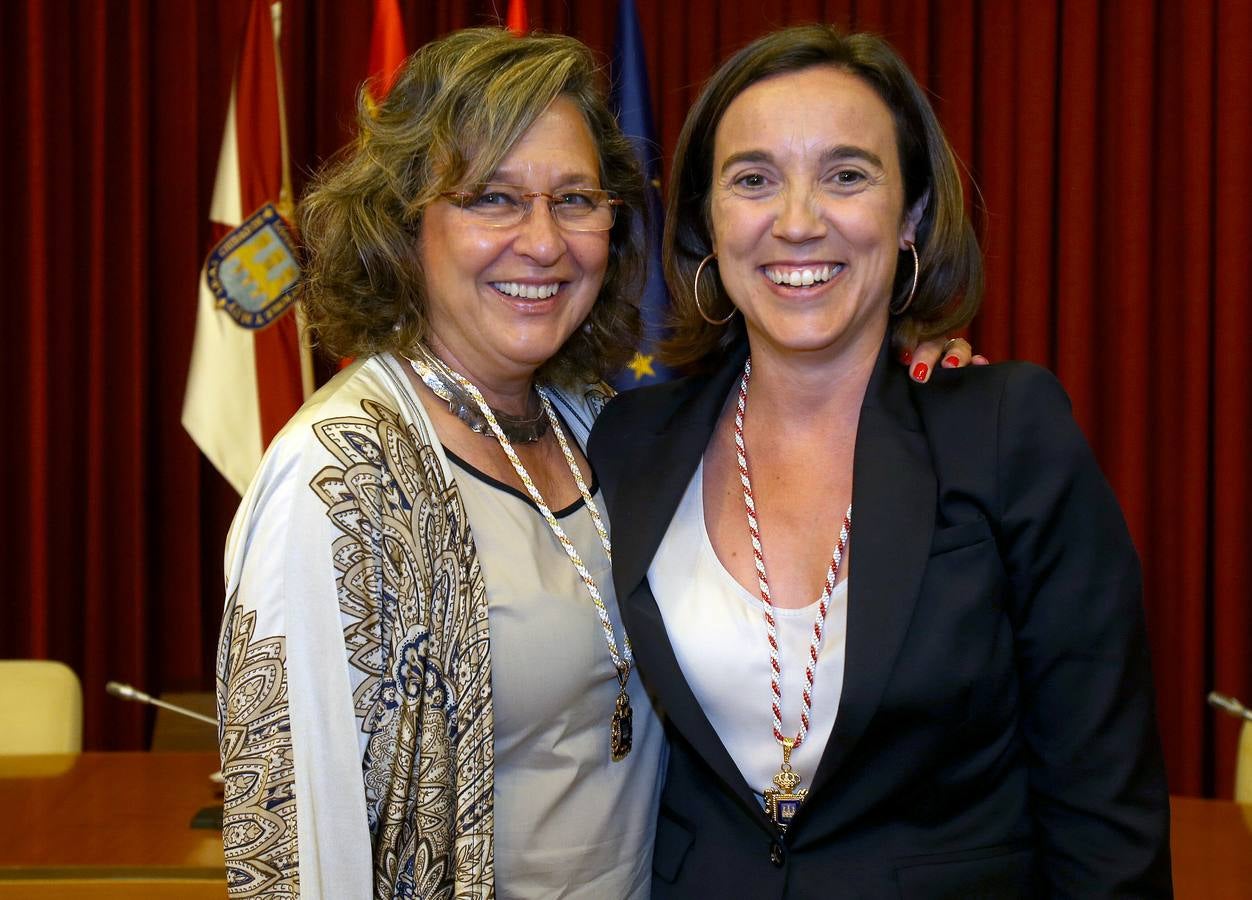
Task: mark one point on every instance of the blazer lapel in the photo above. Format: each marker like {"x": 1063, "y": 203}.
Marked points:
{"x": 643, "y": 503}
{"x": 893, "y": 500}
{"x": 641, "y": 513}
{"x": 674, "y": 699}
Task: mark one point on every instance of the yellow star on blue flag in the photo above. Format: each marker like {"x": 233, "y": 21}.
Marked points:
{"x": 641, "y": 365}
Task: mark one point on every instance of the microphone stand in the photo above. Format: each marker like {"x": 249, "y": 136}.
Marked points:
{"x": 1243, "y": 752}
{"x": 126, "y": 692}
{"x": 1231, "y": 705}
{"x": 210, "y": 816}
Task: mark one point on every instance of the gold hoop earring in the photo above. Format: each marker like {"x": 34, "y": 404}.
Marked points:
{"x": 695, "y": 293}
{"x": 917, "y": 269}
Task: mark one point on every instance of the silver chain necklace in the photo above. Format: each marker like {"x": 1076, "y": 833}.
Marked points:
{"x": 446, "y": 385}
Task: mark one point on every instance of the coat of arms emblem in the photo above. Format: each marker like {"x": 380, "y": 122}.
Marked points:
{"x": 253, "y": 270}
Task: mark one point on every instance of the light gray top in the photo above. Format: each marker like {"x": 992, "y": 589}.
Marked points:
{"x": 570, "y": 823}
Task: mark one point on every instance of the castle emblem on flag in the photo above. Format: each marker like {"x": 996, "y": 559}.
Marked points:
{"x": 253, "y": 270}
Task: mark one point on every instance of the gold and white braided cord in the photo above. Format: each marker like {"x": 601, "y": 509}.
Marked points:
{"x": 624, "y": 660}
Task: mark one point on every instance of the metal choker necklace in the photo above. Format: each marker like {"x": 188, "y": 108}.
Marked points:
{"x": 439, "y": 377}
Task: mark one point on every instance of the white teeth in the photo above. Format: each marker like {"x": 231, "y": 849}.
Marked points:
{"x": 527, "y": 291}
{"x": 802, "y": 277}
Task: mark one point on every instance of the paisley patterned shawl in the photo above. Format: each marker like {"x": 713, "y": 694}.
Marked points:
{"x": 378, "y": 570}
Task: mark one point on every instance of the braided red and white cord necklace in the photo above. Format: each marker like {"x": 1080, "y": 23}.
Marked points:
{"x": 783, "y": 801}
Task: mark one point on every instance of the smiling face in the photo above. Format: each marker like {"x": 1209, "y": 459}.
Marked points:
{"x": 502, "y": 301}
{"x": 807, "y": 211}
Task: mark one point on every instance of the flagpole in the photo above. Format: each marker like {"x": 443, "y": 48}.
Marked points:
{"x": 286, "y": 202}
{"x": 286, "y": 198}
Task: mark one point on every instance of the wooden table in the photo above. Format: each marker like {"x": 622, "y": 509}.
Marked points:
{"x": 117, "y": 825}
{"x": 107, "y": 825}
{"x": 1211, "y": 845}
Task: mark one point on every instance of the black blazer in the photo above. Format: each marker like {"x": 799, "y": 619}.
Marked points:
{"x": 996, "y": 735}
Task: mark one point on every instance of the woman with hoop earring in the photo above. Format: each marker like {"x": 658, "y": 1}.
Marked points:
{"x": 895, "y": 634}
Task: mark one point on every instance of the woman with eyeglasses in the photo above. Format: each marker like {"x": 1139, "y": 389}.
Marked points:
{"x": 424, "y": 683}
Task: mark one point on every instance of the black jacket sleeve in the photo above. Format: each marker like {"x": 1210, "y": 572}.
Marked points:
{"x": 1097, "y": 784}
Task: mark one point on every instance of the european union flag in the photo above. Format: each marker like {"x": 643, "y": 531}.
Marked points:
{"x": 633, "y": 105}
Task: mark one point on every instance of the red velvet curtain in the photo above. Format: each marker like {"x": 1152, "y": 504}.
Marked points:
{"x": 1110, "y": 144}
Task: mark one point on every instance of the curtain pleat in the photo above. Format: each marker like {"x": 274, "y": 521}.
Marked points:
{"x": 1076, "y": 206}
{"x": 101, "y": 273}
{"x": 1230, "y": 408}
{"x": 1178, "y": 450}
{"x": 1106, "y": 147}
{"x": 995, "y": 79}
{"x": 30, "y": 545}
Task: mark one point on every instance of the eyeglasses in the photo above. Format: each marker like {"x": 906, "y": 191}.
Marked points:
{"x": 506, "y": 205}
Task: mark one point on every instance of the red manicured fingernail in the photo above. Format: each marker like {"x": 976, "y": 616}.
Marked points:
{"x": 906, "y": 357}
{"x": 919, "y": 371}
{"x": 951, "y": 362}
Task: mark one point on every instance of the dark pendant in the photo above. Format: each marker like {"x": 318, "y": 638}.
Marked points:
{"x": 621, "y": 728}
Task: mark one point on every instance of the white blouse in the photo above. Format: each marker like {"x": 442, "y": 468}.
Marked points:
{"x": 717, "y": 629}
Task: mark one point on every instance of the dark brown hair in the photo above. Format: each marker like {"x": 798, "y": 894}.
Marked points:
{"x": 949, "y": 288}
{"x": 457, "y": 107}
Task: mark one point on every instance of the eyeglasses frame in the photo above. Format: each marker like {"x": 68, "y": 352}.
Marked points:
{"x": 459, "y": 199}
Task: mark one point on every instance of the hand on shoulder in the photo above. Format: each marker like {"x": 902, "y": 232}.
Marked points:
{"x": 948, "y": 352}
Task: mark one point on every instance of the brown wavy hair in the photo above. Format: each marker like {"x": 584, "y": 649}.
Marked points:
{"x": 457, "y": 107}
{"x": 949, "y": 287}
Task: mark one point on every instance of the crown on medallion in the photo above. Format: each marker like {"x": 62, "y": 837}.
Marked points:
{"x": 787, "y": 781}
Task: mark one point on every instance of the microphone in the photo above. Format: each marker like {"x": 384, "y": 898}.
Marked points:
{"x": 1230, "y": 705}
{"x": 211, "y": 816}
{"x": 126, "y": 692}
